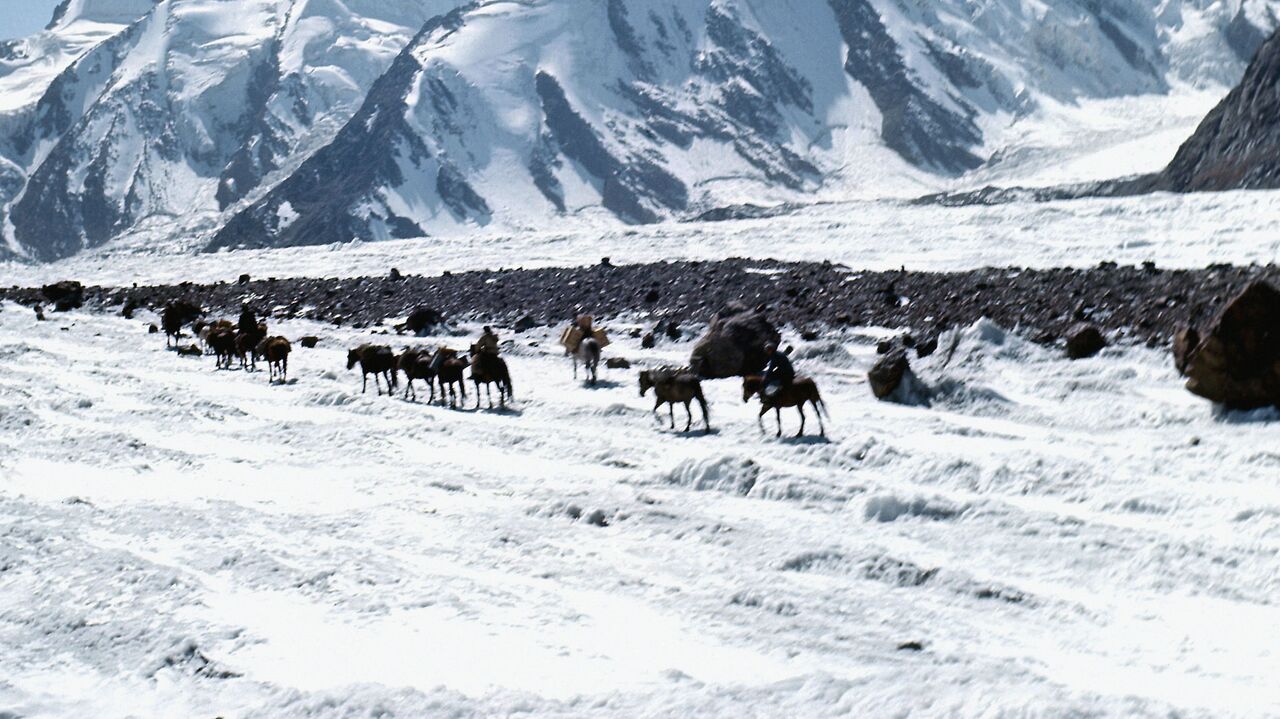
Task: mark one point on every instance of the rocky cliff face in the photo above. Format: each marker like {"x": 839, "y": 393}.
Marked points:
{"x": 281, "y": 122}
{"x": 1238, "y": 144}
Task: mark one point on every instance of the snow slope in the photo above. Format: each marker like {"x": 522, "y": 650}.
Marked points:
{"x": 1060, "y": 538}
{"x": 280, "y": 122}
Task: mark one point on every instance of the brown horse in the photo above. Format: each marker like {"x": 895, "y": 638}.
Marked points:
{"x": 377, "y": 360}
{"x": 276, "y": 351}
{"x": 675, "y": 385}
{"x": 222, "y": 340}
{"x": 487, "y": 369}
{"x": 416, "y": 364}
{"x": 449, "y": 368}
{"x": 795, "y": 395}
{"x": 247, "y": 344}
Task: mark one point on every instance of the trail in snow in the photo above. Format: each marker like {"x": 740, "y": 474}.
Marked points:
{"x": 177, "y": 541}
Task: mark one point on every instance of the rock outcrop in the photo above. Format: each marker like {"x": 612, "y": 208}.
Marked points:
{"x": 734, "y": 344}
{"x": 1235, "y": 361}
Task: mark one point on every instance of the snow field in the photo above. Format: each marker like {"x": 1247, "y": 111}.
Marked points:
{"x": 1059, "y": 537}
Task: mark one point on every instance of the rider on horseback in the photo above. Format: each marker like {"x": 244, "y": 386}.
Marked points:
{"x": 778, "y": 372}
{"x": 488, "y": 343}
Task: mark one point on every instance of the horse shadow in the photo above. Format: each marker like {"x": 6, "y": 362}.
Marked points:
{"x": 602, "y": 384}
{"x": 807, "y": 439}
{"x": 507, "y": 411}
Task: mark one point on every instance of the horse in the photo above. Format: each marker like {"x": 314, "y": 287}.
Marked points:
{"x": 276, "y": 351}
{"x": 222, "y": 340}
{"x": 247, "y": 344}
{"x": 174, "y": 316}
{"x": 795, "y": 395}
{"x": 487, "y": 369}
{"x": 377, "y": 360}
{"x": 588, "y": 353}
{"x": 416, "y": 364}
{"x": 205, "y": 329}
{"x": 449, "y": 368}
{"x": 675, "y": 385}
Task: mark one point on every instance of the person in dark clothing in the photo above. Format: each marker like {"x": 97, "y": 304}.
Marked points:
{"x": 248, "y": 321}
{"x": 488, "y": 343}
{"x": 778, "y": 372}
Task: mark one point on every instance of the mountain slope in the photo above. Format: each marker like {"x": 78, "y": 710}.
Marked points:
{"x": 1238, "y": 144}
{"x": 280, "y": 122}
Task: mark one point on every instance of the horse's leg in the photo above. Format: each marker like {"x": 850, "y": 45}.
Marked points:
{"x": 488, "y": 393}
{"x": 764, "y": 409}
{"x": 364, "y": 381}
{"x": 689, "y": 422}
{"x": 817, "y": 409}
{"x": 706, "y": 417}
{"x": 672, "y": 407}
{"x": 800, "y": 409}
{"x": 477, "y": 392}
{"x": 777, "y": 414}
{"x": 575, "y": 366}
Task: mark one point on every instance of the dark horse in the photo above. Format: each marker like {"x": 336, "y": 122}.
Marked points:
{"x": 675, "y": 385}
{"x": 449, "y": 368}
{"x": 275, "y": 350}
{"x": 416, "y": 364}
{"x": 377, "y": 360}
{"x": 487, "y": 369}
{"x": 795, "y": 395}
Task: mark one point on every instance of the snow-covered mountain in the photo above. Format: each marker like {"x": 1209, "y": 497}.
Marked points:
{"x": 274, "y": 122}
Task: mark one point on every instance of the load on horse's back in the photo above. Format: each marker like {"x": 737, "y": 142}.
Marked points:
{"x": 584, "y": 342}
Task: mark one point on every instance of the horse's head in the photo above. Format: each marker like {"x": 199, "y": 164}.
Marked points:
{"x": 353, "y": 356}
{"x": 751, "y": 385}
{"x": 646, "y": 381}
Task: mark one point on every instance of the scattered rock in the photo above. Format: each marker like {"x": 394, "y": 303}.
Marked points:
{"x": 152, "y": 329}
{"x": 395, "y": 275}
{"x": 734, "y": 344}
{"x": 651, "y": 296}
{"x": 309, "y": 342}
{"x": 617, "y": 363}
{"x": 525, "y": 323}
{"x": 926, "y": 347}
{"x": 1237, "y": 361}
{"x": 130, "y": 306}
{"x": 911, "y": 646}
{"x": 648, "y": 341}
{"x": 39, "y": 313}
{"x": 244, "y": 279}
{"x": 1084, "y": 340}
{"x": 809, "y": 335}
{"x": 190, "y": 351}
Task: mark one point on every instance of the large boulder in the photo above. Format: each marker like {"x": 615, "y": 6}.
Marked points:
{"x": 65, "y": 295}
{"x": 888, "y": 372}
{"x": 423, "y": 319}
{"x": 1084, "y": 340}
{"x": 734, "y": 345}
{"x": 1236, "y": 360}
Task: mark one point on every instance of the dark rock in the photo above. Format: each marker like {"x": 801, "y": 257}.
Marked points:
{"x": 651, "y": 296}
{"x": 130, "y": 306}
{"x": 887, "y": 373}
{"x": 648, "y": 341}
{"x": 152, "y": 329}
{"x": 65, "y": 295}
{"x": 911, "y": 646}
{"x": 190, "y": 351}
{"x": 39, "y": 313}
{"x": 809, "y": 335}
{"x": 926, "y": 347}
{"x": 884, "y": 347}
{"x": 422, "y": 319}
{"x": 309, "y": 342}
{"x": 734, "y": 344}
{"x": 617, "y": 363}
{"x": 244, "y": 279}
{"x": 395, "y": 275}
{"x": 1237, "y": 362}
{"x": 1084, "y": 340}
{"x": 1185, "y": 341}
{"x": 525, "y": 323}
